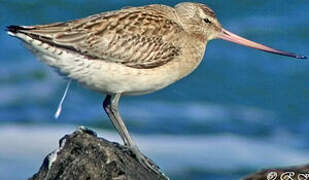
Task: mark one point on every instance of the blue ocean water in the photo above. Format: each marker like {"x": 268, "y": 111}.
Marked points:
{"x": 240, "y": 111}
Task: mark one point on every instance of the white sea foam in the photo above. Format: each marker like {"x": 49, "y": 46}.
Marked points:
{"x": 25, "y": 145}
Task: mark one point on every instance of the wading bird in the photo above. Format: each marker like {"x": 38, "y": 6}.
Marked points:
{"x": 132, "y": 51}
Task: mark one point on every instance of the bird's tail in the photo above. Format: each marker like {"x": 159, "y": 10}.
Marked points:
{"x": 13, "y": 29}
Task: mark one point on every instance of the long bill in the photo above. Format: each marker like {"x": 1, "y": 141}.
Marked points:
{"x": 228, "y": 36}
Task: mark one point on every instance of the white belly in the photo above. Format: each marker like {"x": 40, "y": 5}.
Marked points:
{"x": 110, "y": 78}
{"x": 117, "y": 78}
{"x": 102, "y": 76}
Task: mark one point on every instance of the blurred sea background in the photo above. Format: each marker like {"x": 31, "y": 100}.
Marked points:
{"x": 240, "y": 111}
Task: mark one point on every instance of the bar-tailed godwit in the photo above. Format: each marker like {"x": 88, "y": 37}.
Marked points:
{"x": 132, "y": 51}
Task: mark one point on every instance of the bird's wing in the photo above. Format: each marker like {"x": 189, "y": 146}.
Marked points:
{"x": 136, "y": 37}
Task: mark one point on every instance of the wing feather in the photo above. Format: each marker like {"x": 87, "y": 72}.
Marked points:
{"x": 136, "y": 37}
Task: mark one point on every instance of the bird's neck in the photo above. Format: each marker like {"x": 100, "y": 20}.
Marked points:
{"x": 200, "y": 38}
{"x": 193, "y": 53}
{"x": 197, "y": 51}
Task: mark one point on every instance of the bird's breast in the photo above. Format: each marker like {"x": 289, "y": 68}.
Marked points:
{"x": 119, "y": 78}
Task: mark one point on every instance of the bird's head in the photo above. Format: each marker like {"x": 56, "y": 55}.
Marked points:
{"x": 198, "y": 19}
{"x": 201, "y": 21}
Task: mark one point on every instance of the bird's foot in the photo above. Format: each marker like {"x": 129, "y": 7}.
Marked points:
{"x": 146, "y": 162}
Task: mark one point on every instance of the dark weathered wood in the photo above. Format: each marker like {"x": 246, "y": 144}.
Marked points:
{"x": 289, "y": 173}
{"x": 84, "y": 156}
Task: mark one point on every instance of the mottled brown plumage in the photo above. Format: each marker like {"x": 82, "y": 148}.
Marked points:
{"x": 136, "y": 37}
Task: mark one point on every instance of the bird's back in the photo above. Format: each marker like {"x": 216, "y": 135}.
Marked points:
{"x": 142, "y": 37}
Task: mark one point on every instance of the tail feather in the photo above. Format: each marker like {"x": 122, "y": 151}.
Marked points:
{"x": 22, "y": 32}
{"x": 15, "y": 29}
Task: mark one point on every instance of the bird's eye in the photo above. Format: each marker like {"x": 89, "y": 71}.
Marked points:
{"x": 207, "y": 21}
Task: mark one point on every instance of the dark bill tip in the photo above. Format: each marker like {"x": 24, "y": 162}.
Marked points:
{"x": 301, "y": 57}
{"x": 287, "y": 54}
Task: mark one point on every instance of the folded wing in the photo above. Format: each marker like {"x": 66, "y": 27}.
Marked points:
{"x": 133, "y": 37}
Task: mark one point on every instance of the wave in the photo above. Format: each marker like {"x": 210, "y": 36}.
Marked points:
{"x": 25, "y": 145}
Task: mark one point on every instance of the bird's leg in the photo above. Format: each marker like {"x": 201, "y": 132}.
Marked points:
{"x": 110, "y": 105}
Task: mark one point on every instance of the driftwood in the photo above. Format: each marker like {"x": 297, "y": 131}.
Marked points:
{"x": 84, "y": 156}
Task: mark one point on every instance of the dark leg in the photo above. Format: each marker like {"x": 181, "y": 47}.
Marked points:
{"x": 110, "y": 105}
